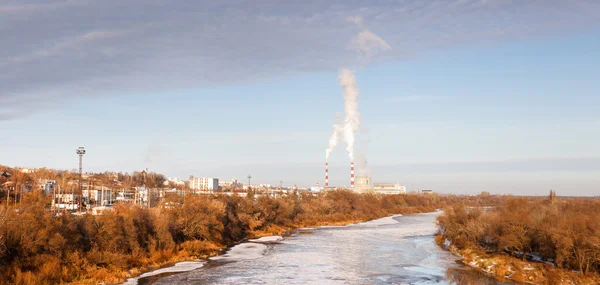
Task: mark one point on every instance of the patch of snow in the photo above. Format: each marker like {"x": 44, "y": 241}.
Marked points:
{"x": 244, "y": 251}
{"x": 332, "y": 227}
{"x": 381, "y": 222}
{"x": 270, "y": 239}
{"x": 177, "y": 268}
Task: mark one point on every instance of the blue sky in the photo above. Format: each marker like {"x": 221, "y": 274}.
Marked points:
{"x": 508, "y": 107}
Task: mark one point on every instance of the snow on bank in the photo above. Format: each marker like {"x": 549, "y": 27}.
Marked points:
{"x": 271, "y": 239}
{"x": 177, "y": 268}
{"x": 381, "y": 222}
{"x": 307, "y": 229}
{"x": 243, "y": 251}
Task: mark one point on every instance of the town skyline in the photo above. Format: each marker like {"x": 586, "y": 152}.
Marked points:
{"x": 504, "y": 100}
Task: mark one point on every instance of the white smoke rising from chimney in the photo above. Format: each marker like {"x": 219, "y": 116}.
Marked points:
{"x": 333, "y": 140}
{"x": 366, "y": 44}
{"x": 352, "y": 120}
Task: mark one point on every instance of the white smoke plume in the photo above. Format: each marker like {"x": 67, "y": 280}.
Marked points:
{"x": 366, "y": 44}
{"x": 333, "y": 140}
{"x": 337, "y": 132}
{"x": 352, "y": 120}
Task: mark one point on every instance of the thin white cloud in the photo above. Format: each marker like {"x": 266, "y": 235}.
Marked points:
{"x": 366, "y": 43}
{"x": 66, "y": 45}
{"x": 36, "y": 7}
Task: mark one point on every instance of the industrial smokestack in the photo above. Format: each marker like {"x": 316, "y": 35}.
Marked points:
{"x": 352, "y": 174}
{"x": 326, "y": 174}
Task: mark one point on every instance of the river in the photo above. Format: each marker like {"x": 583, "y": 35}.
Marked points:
{"x": 392, "y": 250}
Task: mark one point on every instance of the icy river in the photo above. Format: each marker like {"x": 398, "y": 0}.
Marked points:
{"x": 392, "y": 250}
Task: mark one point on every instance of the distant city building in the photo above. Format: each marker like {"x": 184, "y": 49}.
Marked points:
{"x": 204, "y": 184}
{"x": 47, "y": 185}
{"x": 26, "y": 170}
{"x": 389, "y": 189}
{"x": 427, "y": 191}
{"x": 101, "y": 196}
{"x": 230, "y": 184}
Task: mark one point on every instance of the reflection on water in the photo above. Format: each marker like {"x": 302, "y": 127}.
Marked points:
{"x": 393, "y": 250}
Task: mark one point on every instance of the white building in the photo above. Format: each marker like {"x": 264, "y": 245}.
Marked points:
{"x": 204, "y": 184}
{"x": 176, "y": 181}
{"x": 390, "y": 189}
{"x": 101, "y": 196}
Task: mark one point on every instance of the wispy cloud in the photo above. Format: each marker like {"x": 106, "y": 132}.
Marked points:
{"x": 366, "y": 43}
{"x": 15, "y": 9}
{"x": 73, "y": 44}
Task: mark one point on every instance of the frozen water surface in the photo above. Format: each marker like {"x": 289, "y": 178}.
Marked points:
{"x": 392, "y": 250}
{"x": 270, "y": 239}
{"x": 177, "y": 268}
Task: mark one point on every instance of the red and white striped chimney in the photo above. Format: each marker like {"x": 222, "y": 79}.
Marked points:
{"x": 352, "y": 174}
{"x": 326, "y": 174}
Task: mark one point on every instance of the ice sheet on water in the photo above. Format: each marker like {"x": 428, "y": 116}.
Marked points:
{"x": 270, "y": 239}
{"x": 177, "y": 268}
{"x": 402, "y": 253}
{"x": 381, "y": 222}
{"x": 243, "y": 251}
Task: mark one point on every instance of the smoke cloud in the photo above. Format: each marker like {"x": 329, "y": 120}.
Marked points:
{"x": 352, "y": 120}
{"x": 366, "y": 44}
{"x": 334, "y": 139}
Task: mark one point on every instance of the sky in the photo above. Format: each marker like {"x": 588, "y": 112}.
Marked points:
{"x": 456, "y": 96}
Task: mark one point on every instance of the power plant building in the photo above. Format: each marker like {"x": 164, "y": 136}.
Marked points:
{"x": 363, "y": 184}
{"x": 389, "y": 189}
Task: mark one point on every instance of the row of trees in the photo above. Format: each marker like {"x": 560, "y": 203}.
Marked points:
{"x": 563, "y": 231}
{"x": 38, "y": 247}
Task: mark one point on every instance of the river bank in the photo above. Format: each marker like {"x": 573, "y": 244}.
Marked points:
{"x": 504, "y": 267}
{"x": 533, "y": 240}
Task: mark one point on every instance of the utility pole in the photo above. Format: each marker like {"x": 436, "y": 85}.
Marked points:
{"x": 80, "y": 151}
{"x": 249, "y": 178}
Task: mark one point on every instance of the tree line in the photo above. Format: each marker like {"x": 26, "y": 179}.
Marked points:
{"x": 565, "y": 232}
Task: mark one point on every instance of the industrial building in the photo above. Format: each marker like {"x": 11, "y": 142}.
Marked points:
{"x": 204, "y": 184}
{"x": 363, "y": 184}
{"x": 389, "y": 189}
